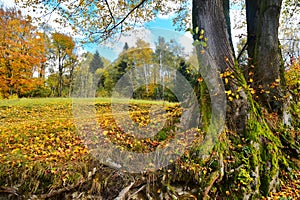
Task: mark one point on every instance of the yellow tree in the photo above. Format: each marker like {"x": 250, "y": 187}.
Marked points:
{"x": 141, "y": 56}
{"x": 62, "y": 50}
{"x": 21, "y": 54}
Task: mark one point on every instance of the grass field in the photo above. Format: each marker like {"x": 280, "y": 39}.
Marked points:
{"x": 41, "y": 149}
{"x": 43, "y": 153}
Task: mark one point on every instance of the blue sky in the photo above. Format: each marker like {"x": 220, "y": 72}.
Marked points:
{"x": 160, "y": 22}
{"x": 153, "y": 29}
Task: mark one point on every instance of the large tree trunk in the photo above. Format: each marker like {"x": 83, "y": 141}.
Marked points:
{"x": 264, "y": 51}
{"x": 210, "y": 16}
{"x": 260, "y": 166}
{"x": 216, "y": 57}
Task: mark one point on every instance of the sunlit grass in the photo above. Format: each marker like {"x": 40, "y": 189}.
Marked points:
{"x": 39, "y": 138}
{"x": 49, "y": 101}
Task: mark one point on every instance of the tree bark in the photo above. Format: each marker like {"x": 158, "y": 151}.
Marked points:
{"x": 60, "y": 76}
{"x": 215, "y": 55}
{"x": 215, "y": 59}
{"x": 210, "y": 16}
{"x": 264, "y": 51}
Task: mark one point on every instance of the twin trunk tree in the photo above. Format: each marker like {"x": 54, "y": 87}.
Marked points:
{"x": 243, "y": 114}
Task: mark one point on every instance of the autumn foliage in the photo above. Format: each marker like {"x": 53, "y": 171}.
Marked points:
{"x": 292, "y": 77}
{"x": 21, "y": 54}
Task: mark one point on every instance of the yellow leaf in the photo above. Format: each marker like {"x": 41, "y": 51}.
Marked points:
{"x": 105, "y": 132}
{"x": 239, "y": 89}
{"x": 228, "y": 92}
{"x": 226, "y": 80}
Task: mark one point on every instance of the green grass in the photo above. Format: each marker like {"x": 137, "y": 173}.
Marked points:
{"x": 39, "y": 138}
{"x": 48, "y": 101}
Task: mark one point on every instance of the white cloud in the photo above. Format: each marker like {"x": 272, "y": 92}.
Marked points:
{"x": 7, "y": 3}
{"x": 131, "y": 37}
{"x": 39, "y": 17}
{"x": 166, "y": 16}
{"x": 168, "y": 5}
{"x": 149, "y": 35}
{"x": 187, "y": 42}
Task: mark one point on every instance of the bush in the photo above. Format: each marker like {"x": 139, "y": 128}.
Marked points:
{"x": 40, "y": 91}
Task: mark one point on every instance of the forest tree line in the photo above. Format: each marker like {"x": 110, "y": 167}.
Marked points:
{"x": 37, "y": 63}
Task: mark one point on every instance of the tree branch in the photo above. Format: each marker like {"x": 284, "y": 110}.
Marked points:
{"x": 110, "y": 12}
{"x": 242, "y": 51}
{"x": 107, "y": 30}
{"x": 52, "y": 11}
{"x": 128, "y": 14}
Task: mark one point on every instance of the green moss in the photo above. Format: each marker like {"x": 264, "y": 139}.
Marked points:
{"x": 244, "y": 177}
{"x": 270, "y": 155}
{"x": 205, "y": 108}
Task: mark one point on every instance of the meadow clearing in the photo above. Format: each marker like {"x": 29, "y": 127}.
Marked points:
{"x": 44, "y": 156}
{"x": 42, "y": 151}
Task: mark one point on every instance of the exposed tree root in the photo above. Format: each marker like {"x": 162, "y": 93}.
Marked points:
{"x": 9, "y": 190}
{"x": 66, "y": 189}
{"x": 124, "y": 192}
{"x": 136, "y": 192}
{"x": 214, "y": 176}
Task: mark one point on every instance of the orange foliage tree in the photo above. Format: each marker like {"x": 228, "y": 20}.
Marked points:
{"x": 21, "y": 54}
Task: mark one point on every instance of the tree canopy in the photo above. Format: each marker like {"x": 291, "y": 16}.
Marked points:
{"x": 21, "y": 53}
